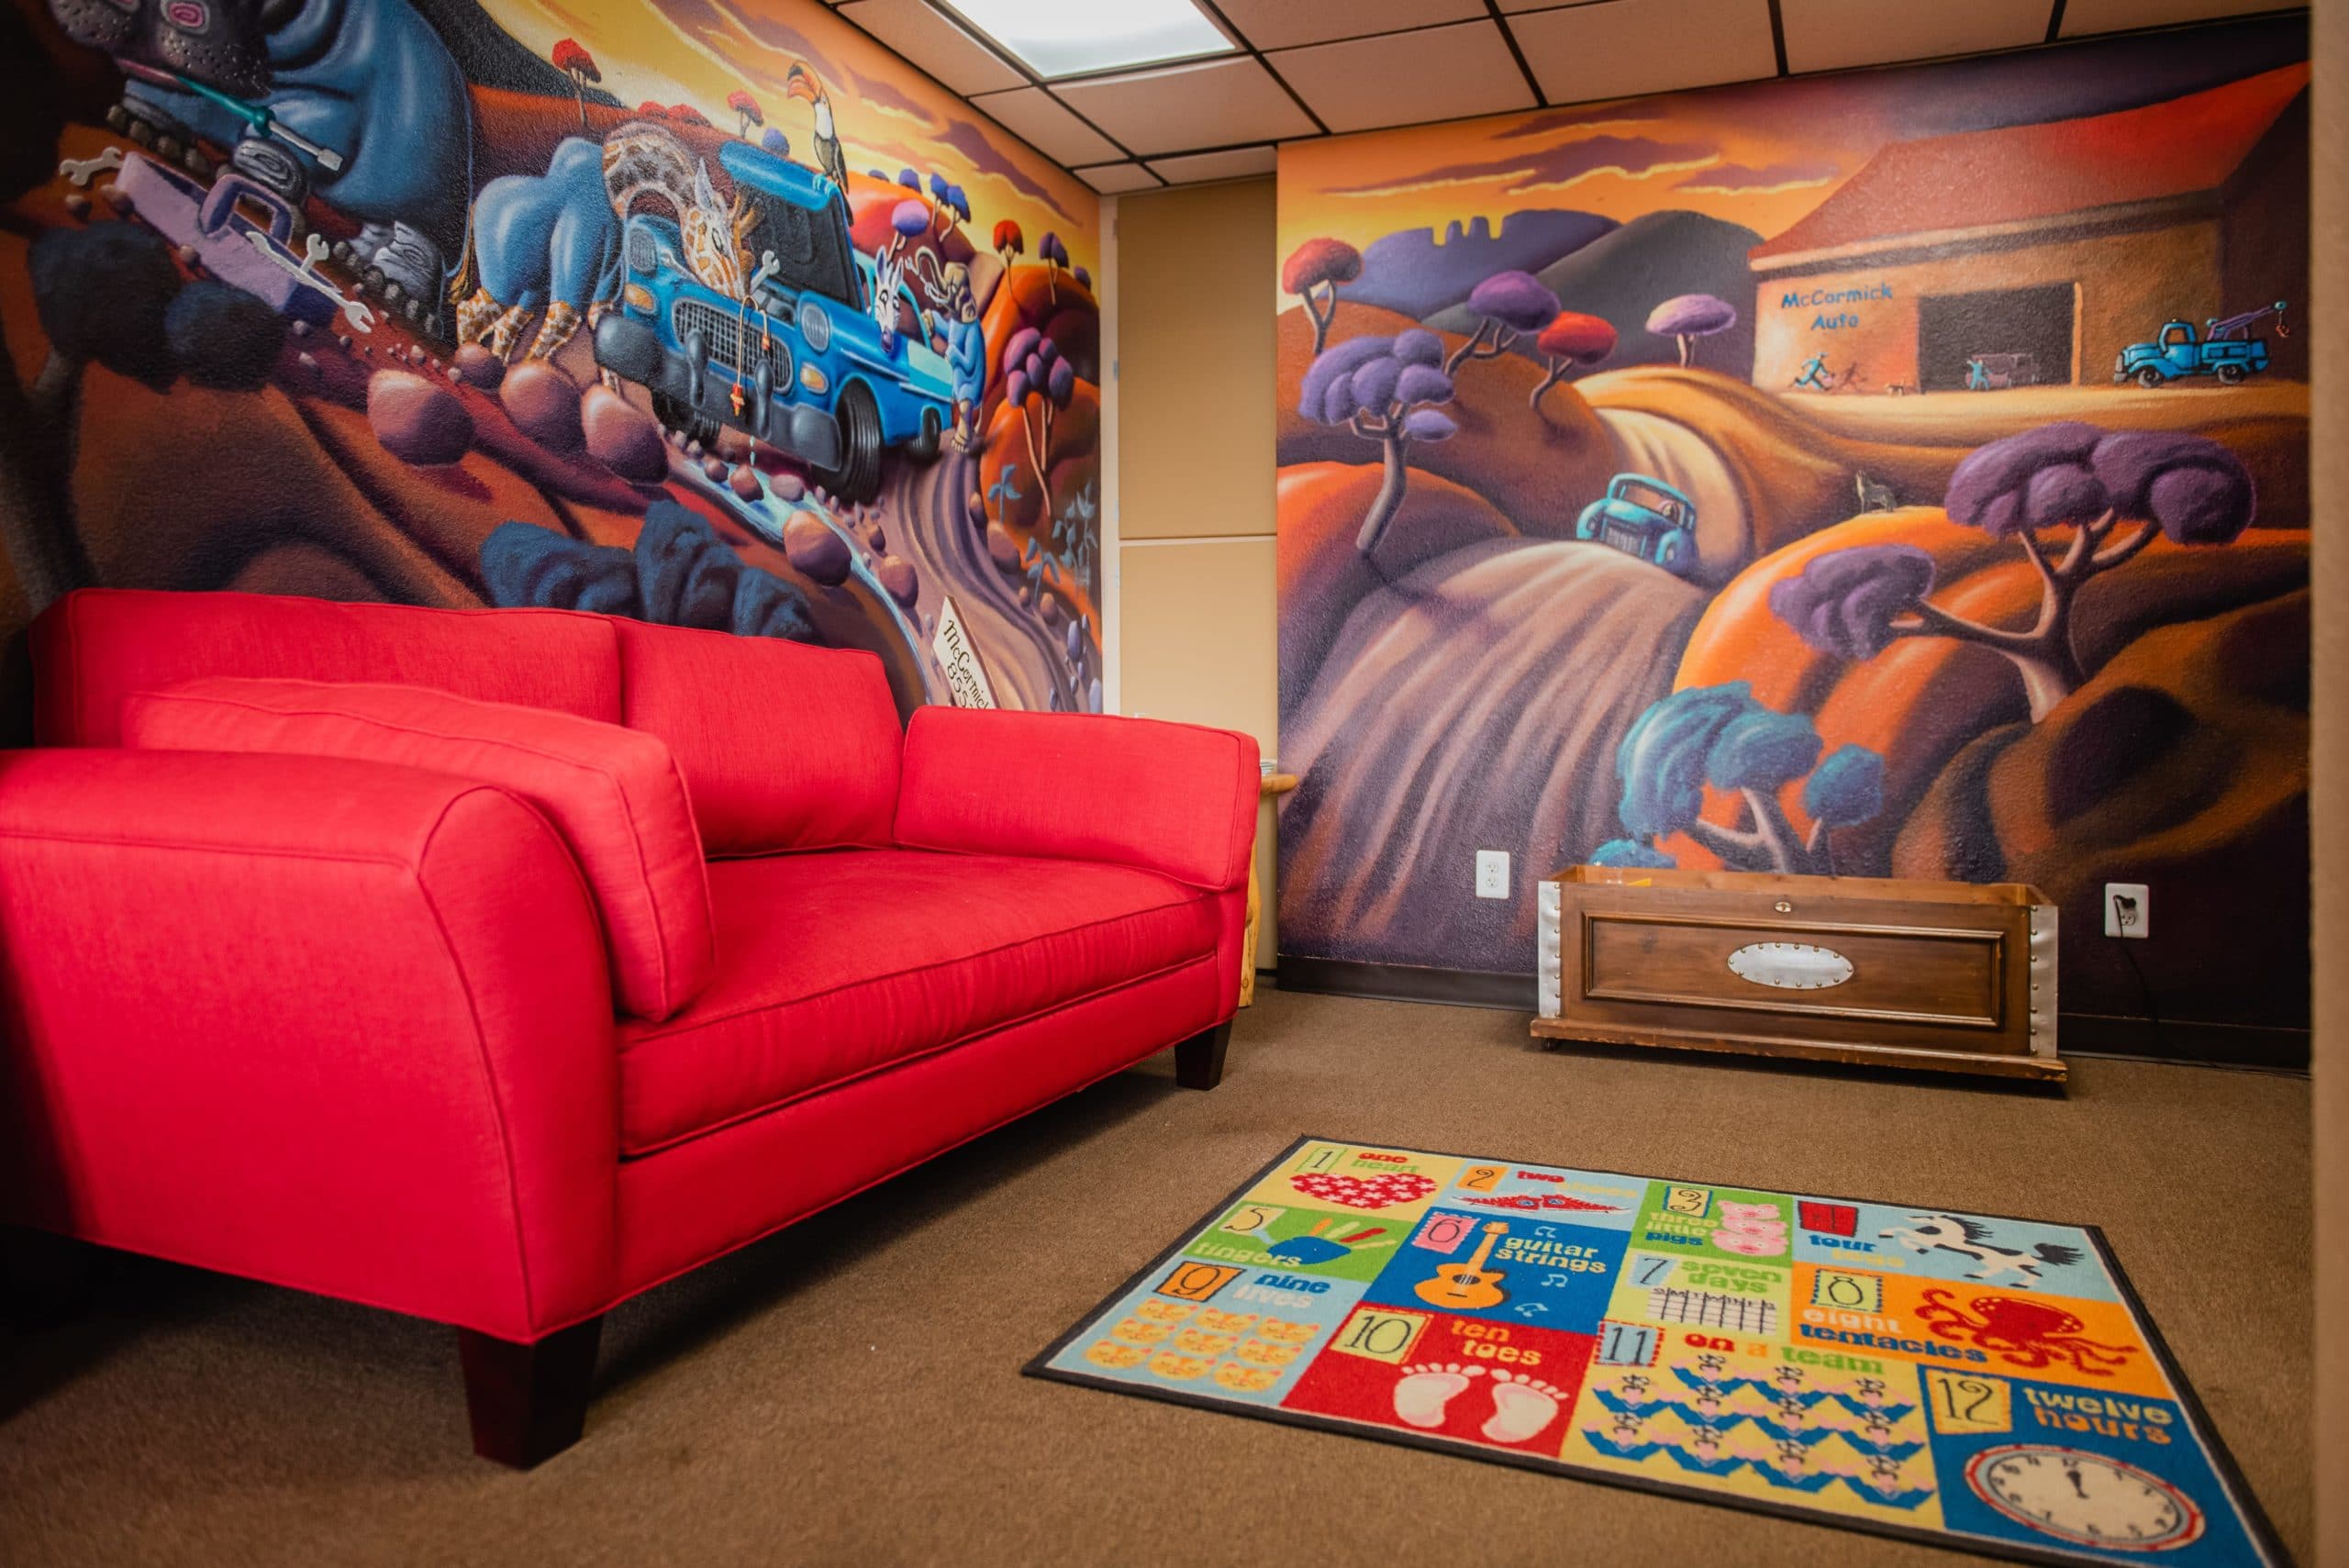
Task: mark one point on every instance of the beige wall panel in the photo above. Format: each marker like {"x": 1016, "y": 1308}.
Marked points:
{"x": 1199, "y": 640}
{"x": 1194, "y": 344}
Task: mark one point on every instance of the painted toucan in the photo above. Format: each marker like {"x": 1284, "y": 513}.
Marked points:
{"x": 799, "y": 82}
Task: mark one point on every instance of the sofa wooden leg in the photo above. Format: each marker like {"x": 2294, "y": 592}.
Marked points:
{"x": 528, "y": 1402}
{"x": 1198, "y": 1061}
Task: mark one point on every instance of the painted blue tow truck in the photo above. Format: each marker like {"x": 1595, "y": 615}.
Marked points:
{"x": 2224, "y": 349}
{"x": 801, "y": 365}
{"x": 1645, "y": 517}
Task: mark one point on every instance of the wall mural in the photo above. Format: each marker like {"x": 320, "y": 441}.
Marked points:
{"x": 1893, "y": 473}
{"x": 679, "y": 309}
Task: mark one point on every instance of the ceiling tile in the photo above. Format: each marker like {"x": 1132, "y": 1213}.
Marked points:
{"x": 1237, "y": 163}
{"x": 1032, "y": 115}
{"x": 1114, "y": 179}
{"x": 1827, "y": 34}
{"x": 1436, "y": 73}
{"x": 1284, "y": 24}
{"x": 1183, "y": 106}
{"x": 934, "y": 44}
{"x": 1617, "y": 48}
{"x": 2111, "y": 16}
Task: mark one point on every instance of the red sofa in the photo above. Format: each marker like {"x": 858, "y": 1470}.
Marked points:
{"x": 494, "y": 966}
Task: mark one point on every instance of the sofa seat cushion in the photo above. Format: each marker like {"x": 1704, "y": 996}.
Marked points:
{"x": 836, "y": 963}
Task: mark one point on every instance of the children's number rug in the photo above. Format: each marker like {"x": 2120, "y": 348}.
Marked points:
{"x": 1964, "y": 1379}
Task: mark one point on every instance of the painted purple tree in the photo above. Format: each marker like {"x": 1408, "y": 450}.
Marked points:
{"x": 1383, "y": 389}
{"x": 1854, "y": 602}
{"x": 1312, "y": 273}
{"x": 1689, "y": 317}
{"x": 1034, "y": 373}
{"x": 1053, "y": 252}
{"x": 1509, "y": 303}
{"x": 1720, "y": 736}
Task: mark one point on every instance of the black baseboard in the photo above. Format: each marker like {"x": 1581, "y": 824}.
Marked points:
{"x": 2269, "y": 1047}
{"x": 1406, "y": 983}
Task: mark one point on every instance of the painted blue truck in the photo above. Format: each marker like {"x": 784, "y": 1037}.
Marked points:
{"x": 801, "y": 365}
{"x": 2224, "y": 349}
{"x": 1645, "y": 517}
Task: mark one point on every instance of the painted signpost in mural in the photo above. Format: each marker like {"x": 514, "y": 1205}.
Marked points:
{"x": 1897, "y": 474}
{"x": 422, "y": 309}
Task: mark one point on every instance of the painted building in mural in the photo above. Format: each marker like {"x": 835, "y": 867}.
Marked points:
{"x": 2135, "y": 216}
{"x": 1895, "y": 473}
{"x": 702, "y": 313}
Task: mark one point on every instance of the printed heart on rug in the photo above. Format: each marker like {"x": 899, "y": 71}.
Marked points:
{"x": 1365, "y": 1192}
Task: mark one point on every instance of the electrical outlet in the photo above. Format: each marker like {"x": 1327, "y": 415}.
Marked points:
{"x": 2128, "y": 909}
{"x": 1492, "y": 873}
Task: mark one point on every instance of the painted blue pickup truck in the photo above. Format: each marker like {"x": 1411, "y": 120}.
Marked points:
{"x": 1645, "y": 517}
{"x": 802, "y": 364}
{"x": 2224, "y": 349}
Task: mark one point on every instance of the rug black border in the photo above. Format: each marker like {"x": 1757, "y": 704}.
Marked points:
{"x": 2214, "y": 1447}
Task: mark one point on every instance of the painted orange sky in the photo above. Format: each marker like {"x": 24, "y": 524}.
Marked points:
{"x": 1762, "y": 165}
{"x": 889, "y": 116}
{"x": 1760, "y": 154}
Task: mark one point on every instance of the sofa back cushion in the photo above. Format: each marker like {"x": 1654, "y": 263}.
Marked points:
{"x": 93, "y": 648}
{"x": 613, "y": 793}
{"x": 1178, "y": 799}
{"x": 786, "y": 747}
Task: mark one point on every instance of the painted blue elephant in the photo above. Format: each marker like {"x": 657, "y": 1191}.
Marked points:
{"x": 548, "y": 241}
{"x": 368, "y": 81}
{"x": 551, "y": 241}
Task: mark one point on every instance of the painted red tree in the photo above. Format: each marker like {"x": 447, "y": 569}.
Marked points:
{"x": 1574, "y": 341}
{"x": 573, "y": 60}
{"x": 747, "y": 110}
{"x": 1312, "y": 273}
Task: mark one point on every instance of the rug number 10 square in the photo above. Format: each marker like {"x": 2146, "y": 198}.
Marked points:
{"x": 1972, "y": 1380}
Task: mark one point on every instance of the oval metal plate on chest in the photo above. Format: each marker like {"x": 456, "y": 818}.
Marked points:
{"x": 1790, "y": 966}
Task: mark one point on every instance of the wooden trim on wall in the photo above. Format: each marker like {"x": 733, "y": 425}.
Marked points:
{"x": 2187, "y": 1041}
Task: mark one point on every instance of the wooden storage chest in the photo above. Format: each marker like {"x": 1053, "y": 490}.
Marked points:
{"x": 1954, "y": 977}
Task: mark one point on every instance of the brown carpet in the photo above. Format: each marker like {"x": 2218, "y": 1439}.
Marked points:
{"x": 850, "y": 1392}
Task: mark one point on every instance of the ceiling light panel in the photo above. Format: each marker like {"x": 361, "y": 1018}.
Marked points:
{"x": 934, "y": 42}
{"x": 1072, "y": 38}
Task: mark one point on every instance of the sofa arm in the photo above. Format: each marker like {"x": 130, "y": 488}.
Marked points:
{"x": 1179, "y": 799}
{"x": 340, "y": 1025}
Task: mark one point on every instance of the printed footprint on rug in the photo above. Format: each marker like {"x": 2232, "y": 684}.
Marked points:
{"x": 1424, "y": 1392}
{"x": 1522, "y": 1406}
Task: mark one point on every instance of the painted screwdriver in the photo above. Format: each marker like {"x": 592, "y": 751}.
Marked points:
{"x": 261, "y": 120}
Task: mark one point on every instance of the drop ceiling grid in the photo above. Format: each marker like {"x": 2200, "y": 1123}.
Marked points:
{"x": 1304, "y": 69}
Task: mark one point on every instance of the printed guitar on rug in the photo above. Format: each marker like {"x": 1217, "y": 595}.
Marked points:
{"x": 1979, "y": 1382}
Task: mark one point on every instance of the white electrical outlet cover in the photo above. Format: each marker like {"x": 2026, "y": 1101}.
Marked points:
{"x": 1492, "y": 873}
{"x": 2140, "y": 898}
